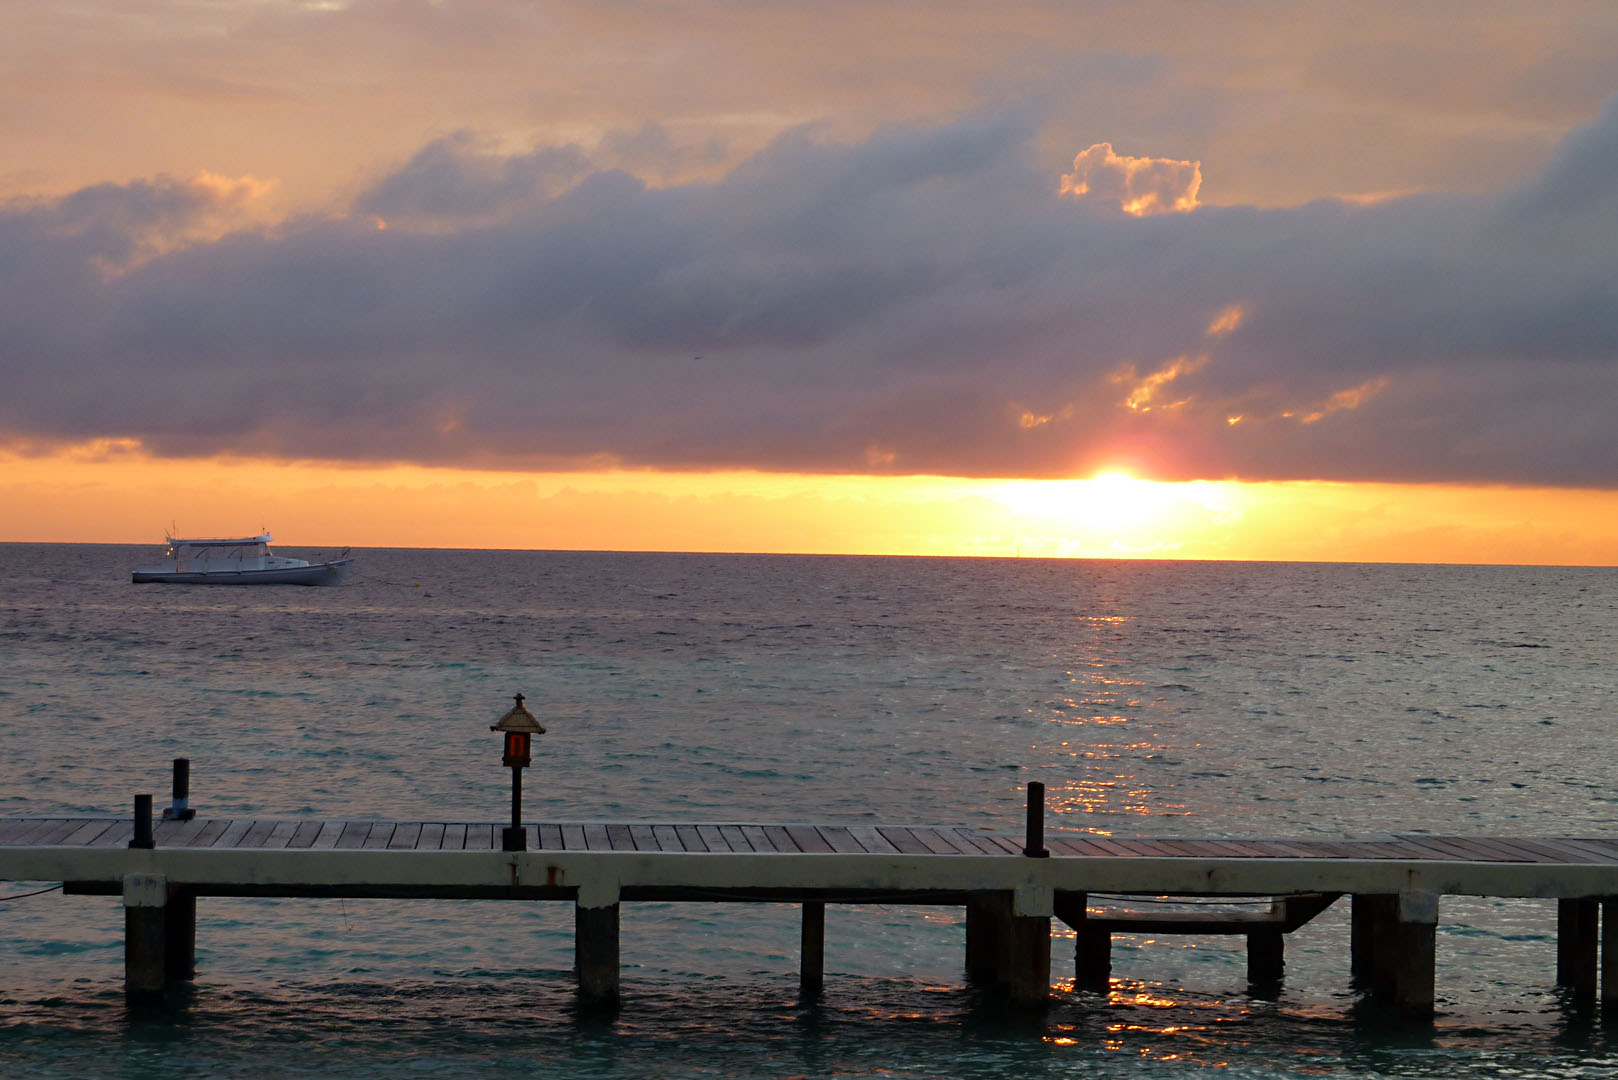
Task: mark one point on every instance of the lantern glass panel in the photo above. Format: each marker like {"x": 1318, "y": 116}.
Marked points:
{"x": 516, "y": 749}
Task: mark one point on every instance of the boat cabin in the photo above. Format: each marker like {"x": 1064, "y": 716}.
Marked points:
{"x": 242, "y": 553}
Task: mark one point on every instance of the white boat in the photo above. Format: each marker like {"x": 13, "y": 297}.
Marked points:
{"x": 239, "y": 561}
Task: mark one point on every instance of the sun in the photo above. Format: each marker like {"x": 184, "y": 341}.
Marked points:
{"x": 1114, "y": 513}
{"x": 1109, "y": 501}
{"x": 1123, "y": 500}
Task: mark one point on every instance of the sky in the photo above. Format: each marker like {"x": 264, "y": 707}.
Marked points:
{"x": 1236, "y": 280}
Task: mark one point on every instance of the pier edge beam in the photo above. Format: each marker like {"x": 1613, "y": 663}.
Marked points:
{"x": 595, "y": 947}
{"x": 1577, "y": 923}
{"x": 812, "y": 950}
{"x": 145, "y": 938}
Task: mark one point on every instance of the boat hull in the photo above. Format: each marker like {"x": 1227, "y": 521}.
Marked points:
{"x": 326, "y": 573}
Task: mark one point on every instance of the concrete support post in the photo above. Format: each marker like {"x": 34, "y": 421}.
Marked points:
{"x": 812, "y": 950}
{"x": 180, "y": 935}
{"x": 1609, "y": 952}
{"x": 145, "y": 903}
{"x": 1266, "y": 957}
{"x": 595, "y": 947}
{"x": 1029, "y": 955}
{"x": 1414, "y": 956}
{"x": 1030, "y": 985}
{"x": 1576, "y": 935}
{"x": 1008, "y": 943}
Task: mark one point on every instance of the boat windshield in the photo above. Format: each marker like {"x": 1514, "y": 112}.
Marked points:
{"x": 195, "y": 552}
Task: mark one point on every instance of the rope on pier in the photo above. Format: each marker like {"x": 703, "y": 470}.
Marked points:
{"x": 25, "y": 895}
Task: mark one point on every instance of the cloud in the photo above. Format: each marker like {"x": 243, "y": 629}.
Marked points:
{"x": 1144, "y": 390}
{"x": 463, "y": 177}
{"x": 1227, "y": 320}
{"x": 1139, "y": 185}
{"x": 117, "y": 226}
{"x": 922, "y": 300}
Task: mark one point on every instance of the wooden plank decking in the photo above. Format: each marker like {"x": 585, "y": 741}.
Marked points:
{"x": 739, "y": 861}
{"x": 292, "y": 834}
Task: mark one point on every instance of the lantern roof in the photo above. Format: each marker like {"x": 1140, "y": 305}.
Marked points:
{"x": 518, "y": 719}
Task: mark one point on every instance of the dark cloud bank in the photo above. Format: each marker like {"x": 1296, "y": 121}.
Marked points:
{"x": 922, "y": 302}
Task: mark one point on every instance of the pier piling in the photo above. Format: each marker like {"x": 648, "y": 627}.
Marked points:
{"x": 1372, "y": 920}
{"x": 180, "y": 935}
{"x": 1577, "y": 923}
{"x": 1092, "y": 946}
{"x": 1034, "y": 840}
{"x": 1413, "y": 961}
{"x": 988, "y": 919}
{"x": 1008, "y": 943}
{"x": 142, "y": 837}
{"x": 1266, "y": 957}
{"x": 812, "y": 950}
{"x": 595, "y": 952}
{"x": 1029, "y": 956}
{"x": 1092, "y": 959}
{"x": 145, "y": 938}
{"x": 179, "y": 808}
{"x": 983, "y": 944}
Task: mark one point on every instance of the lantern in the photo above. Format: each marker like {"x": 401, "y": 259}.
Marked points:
{"x": 518, "y": 727}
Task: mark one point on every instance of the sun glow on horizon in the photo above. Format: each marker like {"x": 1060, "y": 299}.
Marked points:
{"x": 1116, "y": 513}
{"x": 104, "y": 494}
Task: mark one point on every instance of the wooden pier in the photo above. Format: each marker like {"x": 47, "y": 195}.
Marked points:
{"x": 1010, "y": 889}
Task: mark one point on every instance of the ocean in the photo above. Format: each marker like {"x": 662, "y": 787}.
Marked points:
{"x": 1153, "y": 699}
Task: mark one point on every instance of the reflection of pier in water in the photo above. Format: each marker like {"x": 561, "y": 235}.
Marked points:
{"x": 1010, "y": 889}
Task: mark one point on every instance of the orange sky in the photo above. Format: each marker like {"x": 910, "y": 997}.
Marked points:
{"x": 132, "y": 500}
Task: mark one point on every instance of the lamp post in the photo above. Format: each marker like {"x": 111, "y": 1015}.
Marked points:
{"x": 518, "y": 726}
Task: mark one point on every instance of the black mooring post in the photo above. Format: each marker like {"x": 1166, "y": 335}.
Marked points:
{"x": 514, "y": 838}
{"x": 1034, "y": 844}
{"x": 180, "y": 808}
{"x": 143, "y": 823}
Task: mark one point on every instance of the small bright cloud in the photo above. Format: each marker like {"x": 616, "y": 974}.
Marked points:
{"x": 1028, "y": 420}
{"x": 1351, "y": 398}
{"x": 1373, "y": 198}
{"x": 1140, "y": 185}
{"x": 1143, "y": 394}
{"x": 1227, "y": 320}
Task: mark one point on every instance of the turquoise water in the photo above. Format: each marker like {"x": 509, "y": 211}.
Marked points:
{"x": 1153, "y": 699}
